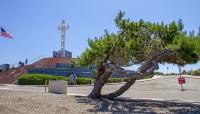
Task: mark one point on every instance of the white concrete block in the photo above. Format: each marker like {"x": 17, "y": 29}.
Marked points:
{"x": 57, "y": 86}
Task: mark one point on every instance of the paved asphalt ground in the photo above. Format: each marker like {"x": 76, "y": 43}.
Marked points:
{"x": 164, "y": 88}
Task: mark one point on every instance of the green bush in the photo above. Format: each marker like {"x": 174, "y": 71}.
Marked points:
{"x": 114, "y": 80}
{"x": 196, "y": 73}
{"x": 189, "y": 72}
{"x": 148, "y": 76}
{"x": 82, "y": 81}
{"x": 38, "y": 79}
{"x": 158, "y": 73}
{"x": 126, "y": 79}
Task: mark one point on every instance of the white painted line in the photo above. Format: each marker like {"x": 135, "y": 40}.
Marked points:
{"x": 71, "y": 94}
{"x": 20, "y": 89}
{"x": 84, "y": 95}
{"x": 4, "y": 88}
{"x": 153, "y": 78}
{"x": 189, "y": 76}
{"x": 169, "y": 100}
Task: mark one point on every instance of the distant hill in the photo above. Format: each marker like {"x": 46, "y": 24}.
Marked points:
{"x": 10, "y": 76}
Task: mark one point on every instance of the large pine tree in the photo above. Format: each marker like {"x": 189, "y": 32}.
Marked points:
{"x": 144, "y": 43}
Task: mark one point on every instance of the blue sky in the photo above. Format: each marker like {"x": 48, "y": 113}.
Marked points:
{"x": 34, "y": 23}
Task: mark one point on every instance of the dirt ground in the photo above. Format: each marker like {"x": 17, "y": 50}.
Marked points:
{"x": 23, "y": 102}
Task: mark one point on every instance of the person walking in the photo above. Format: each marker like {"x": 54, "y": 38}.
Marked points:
{"x": 73, "y": 79}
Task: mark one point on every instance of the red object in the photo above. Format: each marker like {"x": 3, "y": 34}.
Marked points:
{"x": 50, "y": 62}
{"x": 181, "y": 80}
{"x": 5, "y": 34}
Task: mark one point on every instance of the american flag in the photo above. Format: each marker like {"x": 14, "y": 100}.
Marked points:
{"x": 5, "y": 34}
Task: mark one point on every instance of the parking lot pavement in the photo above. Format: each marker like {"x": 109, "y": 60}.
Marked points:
{"x": 164, "y": 88}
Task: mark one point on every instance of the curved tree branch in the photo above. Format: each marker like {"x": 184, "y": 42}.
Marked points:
{"x": 147, "y": 67}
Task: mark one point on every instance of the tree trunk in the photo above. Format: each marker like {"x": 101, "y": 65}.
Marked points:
{"x": 96, "y": 92}
{"x": 121, "y": 90}
{"x": 100, "y": 72}
{"x": 147, "y": 67}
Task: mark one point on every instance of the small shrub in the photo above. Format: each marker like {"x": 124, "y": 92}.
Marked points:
{"x": 38, "y": 79}
{"x": 126, "y": 79}
{"x": 158, "y": 73}
{"x": 82, "y": 81}
{"x": 196, "y": 73}
{"x": 188, "y": 73}
{"x": 148, "y": 76}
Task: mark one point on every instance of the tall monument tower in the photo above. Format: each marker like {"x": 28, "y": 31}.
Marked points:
{"x": 62, "y": 52}
{"x": 63, "y": 27}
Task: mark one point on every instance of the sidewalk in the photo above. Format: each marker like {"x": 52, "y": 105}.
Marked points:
{"x": 159, "y": 88}
{"x": 189, "y": 76}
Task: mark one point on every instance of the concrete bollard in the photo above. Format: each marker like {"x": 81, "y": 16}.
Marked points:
{"x": 57, "y": 86}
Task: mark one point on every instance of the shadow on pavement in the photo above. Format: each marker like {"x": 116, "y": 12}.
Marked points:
{"x": 128, "y": 106}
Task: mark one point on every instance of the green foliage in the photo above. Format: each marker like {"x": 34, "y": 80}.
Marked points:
{"x": 114, "y": 80}
{"x": 148, "y": 76}
{"x": 196, "y": 42}
{"x": 126, "y": 79}
{"x": 38, "y": 79}
{"x": 139, "y": 41}
{"x": 187, "y": 49}
{"x": 74, "y": 62}
{"x": 189, "y": 73}
{"x": 196, "y": 73}
{"x": 82, "y": 81}
{"x": 174, "y": 74}
{"x": 158, "y": 73}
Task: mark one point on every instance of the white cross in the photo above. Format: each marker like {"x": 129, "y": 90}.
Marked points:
{"x": 63, "y": 28}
